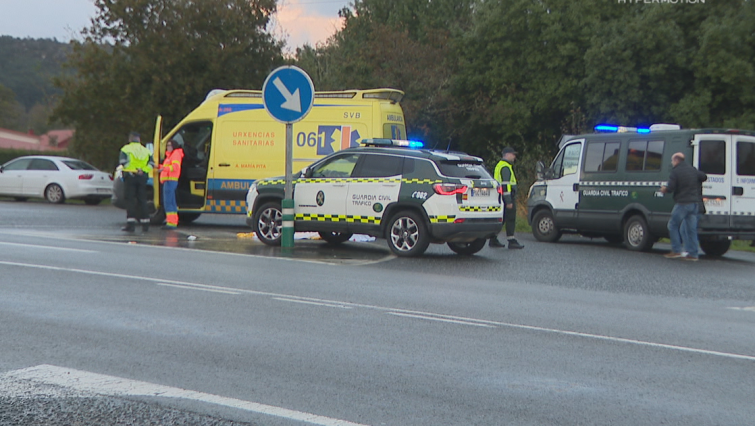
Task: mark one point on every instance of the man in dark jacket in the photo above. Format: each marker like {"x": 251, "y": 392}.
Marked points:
{"x": 685, "y": 182}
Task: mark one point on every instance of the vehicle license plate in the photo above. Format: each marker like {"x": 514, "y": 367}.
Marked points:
{"x": 480, "y": 192}
{"x": 104, "y": 190}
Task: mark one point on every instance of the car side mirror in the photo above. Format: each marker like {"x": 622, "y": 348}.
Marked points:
{"x": 540, "y": 170}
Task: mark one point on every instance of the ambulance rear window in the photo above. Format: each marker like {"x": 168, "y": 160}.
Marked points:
{"x": 463, "y": 170}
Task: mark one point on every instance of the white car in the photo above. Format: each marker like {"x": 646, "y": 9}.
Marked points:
{"x": 54, "y": 179}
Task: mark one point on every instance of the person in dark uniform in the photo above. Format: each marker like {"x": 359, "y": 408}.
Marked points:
{"x": 504, "y": 174}
{"x": 137, "y": 164}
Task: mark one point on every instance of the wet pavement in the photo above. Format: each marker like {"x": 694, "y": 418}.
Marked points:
{"x": 231, "y": 239}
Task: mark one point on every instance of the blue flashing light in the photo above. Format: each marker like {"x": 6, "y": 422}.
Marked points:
{"x": 621, "y": 129}
{"x": 416, "y": 144}
{"x": 606, "y": 128}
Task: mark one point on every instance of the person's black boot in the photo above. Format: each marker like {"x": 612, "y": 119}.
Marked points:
{"x": 495, "y": 243}
{"x": 130, "y": 227}
{"x": 514, "y": 244}
{"x": 145, "y": 225}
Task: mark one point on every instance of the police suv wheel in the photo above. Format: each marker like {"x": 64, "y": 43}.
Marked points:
{"x": 54, "y": 194}
{"x": 407, "y": 234}
{"x": 467, "y": 249}
{"x": 335, "y": 237}
{"x": 544, "y": 227}
{"x": 715, "y": 248}
{"x": 268, "y": 223}
{"x": 637, "y": 235}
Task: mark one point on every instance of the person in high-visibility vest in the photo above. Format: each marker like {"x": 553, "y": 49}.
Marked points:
{"x": 136, "y": 161}
{"x": 504, "y": 174}
{"x": 170, "y": 170}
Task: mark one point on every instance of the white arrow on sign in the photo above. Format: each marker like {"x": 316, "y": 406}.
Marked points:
{"x": 293, "y": 101}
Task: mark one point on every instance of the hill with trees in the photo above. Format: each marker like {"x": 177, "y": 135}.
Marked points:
{"x": 27, "y": 90}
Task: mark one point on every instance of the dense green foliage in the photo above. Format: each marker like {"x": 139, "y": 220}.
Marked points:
{"x": 483, "y": 74}
{"x": 142, "y": 58}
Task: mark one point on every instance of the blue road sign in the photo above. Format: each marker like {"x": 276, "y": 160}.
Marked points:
{"x": 288, "y": 94}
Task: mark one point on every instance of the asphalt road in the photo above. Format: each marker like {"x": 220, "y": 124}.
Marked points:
{"x": 219, "y": 329}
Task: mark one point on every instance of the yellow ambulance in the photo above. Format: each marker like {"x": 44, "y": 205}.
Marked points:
{"x": 230, "y": 141}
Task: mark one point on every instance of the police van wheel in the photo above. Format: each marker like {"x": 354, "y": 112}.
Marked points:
{"x": 407, "y": 234}
{"x": 544, "y": 227}
{"x": 467, "y": 249}
{"x": 637, "y": 235}
{"x": 335, "y": 237}
{"x": 268, "y": 223}
{"x": 715, "y": 248}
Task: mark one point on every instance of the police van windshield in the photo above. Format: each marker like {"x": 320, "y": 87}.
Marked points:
{"x": 463, "y": 170}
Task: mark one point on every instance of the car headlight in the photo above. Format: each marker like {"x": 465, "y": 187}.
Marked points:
{"x": 538, "y": 191}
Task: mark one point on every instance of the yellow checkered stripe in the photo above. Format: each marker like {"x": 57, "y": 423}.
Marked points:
{"x": 312, "y": 217}
{"x": 442, "y": 219}
{"x": 480, "y": 208}
{"x": 226, "y": 206}
{"x": 421, "y": 181}
{"x": 348, "y": 180}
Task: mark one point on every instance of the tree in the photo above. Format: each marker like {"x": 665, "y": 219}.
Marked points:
{"x": 141, "y": 58}
{"x": 403, "y": 45}
{"x": 10, "y": 110}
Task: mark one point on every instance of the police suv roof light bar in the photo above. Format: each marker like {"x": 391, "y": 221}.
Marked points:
{"x": 392, "y": 142}
{"x": 606, "y": 128}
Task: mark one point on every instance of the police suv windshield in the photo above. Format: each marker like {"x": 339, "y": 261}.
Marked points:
{"x": 462, "y": 169}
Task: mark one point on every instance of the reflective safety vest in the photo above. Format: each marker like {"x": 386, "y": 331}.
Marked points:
{"x": 509, "y": 185}
{"x": 172, "y": 165}
{"x": 137, "y": 157}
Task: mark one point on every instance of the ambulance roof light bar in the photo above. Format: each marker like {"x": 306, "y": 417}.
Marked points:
{"x": 392, "y": 142}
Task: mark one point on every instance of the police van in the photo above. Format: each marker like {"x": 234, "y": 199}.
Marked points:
{"x": 230, "y": 140}
{"x": 390, "y": 189}
{"x": 607, "y": 185}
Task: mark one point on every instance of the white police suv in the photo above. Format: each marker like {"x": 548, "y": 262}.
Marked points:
{"x": 388, "y": 189}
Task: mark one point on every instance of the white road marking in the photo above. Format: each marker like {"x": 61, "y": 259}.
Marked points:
{"x": 432, "y": 318}
{"x": 116, "y": 386}
{"x": 48, "y": 247}
{"x": 307, "y": 302}
{"x": 745, "y": 308}
{"x": 187, "y": 287}
{"x": 403, "y": 311}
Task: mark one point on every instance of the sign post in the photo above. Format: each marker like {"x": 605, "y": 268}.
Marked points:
{"x": 288, "y": 95}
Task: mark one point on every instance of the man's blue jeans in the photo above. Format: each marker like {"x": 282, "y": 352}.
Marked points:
{"x": 683, "y": 226}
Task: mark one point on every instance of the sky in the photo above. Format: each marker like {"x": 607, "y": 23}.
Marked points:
{"x": 298, "y": 21}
